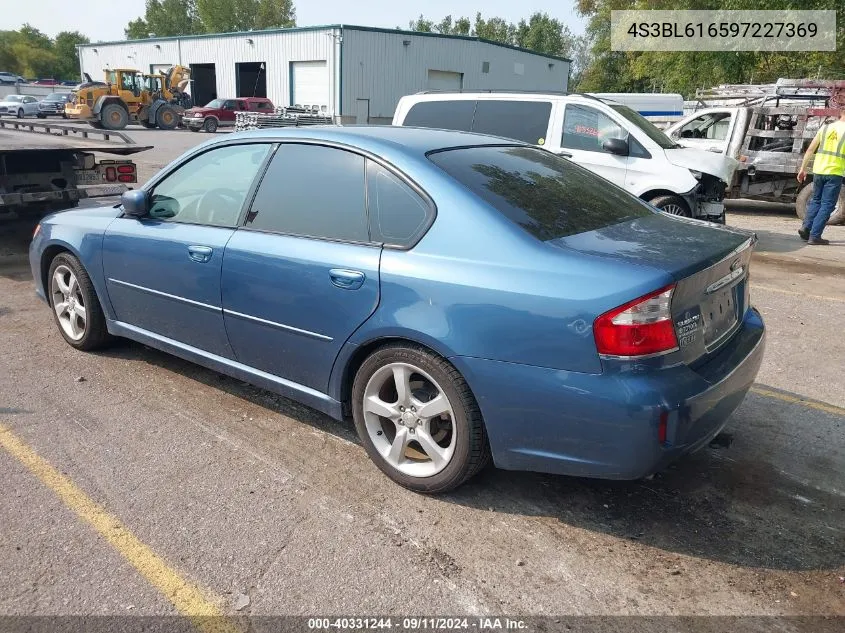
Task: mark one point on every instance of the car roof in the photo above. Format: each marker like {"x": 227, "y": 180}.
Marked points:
{"x": 506, "y": 96}
{"x": 382, "y": 138}
{"x": 253, "y": 98}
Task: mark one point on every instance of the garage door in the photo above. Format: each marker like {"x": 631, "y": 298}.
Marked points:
{"x": 445, "y": 80}
{"x": 310, "y": 83}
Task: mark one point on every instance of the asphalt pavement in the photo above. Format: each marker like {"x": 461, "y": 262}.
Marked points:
{"x": 135, "y": 483}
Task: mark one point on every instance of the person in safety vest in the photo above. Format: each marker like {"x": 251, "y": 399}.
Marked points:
{"x": 828, "y": 169}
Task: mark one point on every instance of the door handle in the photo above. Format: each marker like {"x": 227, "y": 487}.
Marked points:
{"x": 564, "y": 154}
{"x": 201, "y": 254}
{"x": 347, "y": 279}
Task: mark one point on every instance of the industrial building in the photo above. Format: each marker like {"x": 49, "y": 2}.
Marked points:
{"x": 358, "y": 73}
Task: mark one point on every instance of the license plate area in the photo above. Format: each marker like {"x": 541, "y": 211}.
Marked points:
{"x": 720, "y": 316}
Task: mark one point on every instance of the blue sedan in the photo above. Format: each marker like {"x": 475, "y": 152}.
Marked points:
{"x": 460, "y": 297}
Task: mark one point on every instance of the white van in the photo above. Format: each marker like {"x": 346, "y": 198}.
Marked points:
{"x": 607, "y": 138}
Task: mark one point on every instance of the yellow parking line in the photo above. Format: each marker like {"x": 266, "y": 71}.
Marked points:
{"x": 797, "y": 294}
{"x": 188, "y": 599}
{"x": 812, "y": 404}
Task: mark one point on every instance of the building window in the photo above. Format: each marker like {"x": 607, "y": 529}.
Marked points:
{"x": 485, "y": 67}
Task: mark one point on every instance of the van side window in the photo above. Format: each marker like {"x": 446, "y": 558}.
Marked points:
{"x": 586, "y": 129}
{"x": 526, "y": 121}
{"x": 447, "y": 115}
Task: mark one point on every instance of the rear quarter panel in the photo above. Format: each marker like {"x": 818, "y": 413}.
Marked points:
{"x": 477, "y": 285}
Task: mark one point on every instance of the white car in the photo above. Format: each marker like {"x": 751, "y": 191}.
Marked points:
{"x": 19, "y": 106}
{"x": 608, "y": 138}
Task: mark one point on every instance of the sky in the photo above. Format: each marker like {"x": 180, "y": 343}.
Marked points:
{"x": 104, "y": 20}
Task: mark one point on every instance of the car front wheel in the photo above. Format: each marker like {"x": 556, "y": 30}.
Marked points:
{"x": 75, "y": 305}
{"x": 418, "y": 419}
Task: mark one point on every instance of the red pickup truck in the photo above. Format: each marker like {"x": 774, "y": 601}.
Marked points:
{"x": 221, "y": 112}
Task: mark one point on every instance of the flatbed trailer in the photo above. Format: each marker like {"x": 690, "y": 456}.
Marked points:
{"x": 50, "y": 166}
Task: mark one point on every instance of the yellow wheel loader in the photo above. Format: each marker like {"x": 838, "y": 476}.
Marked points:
{"x": 127, "y": 96}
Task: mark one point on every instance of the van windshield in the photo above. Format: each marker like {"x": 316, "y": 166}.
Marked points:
{"x": 545, "y": 195}
{"x": 645, "y": 125}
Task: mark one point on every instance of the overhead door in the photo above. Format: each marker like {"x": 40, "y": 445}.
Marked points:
{"x": 445, "y": 80}
{"x": 309, "y": 83}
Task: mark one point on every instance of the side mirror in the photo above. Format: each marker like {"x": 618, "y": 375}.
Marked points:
{"x": 135, "y": 203}
{"x": 616, "y": 146}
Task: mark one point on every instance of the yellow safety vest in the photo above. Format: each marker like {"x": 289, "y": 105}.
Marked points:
{"x": 830, "y": 156}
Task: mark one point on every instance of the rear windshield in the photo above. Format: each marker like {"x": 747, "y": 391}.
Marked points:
{"x": 546, "y": 195}
{"x": 645, "y": 125}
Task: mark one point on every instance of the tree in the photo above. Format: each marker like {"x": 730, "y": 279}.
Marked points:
{"x": 421, "y": 25}
{"x": 222, "y": 16}
{"x": 539, "y": 32}
{"x": 495, "y": 29}
{"x": 544, "y": 35}
{"x": 164, "y": 18}
{"x": 67, "y": 53}
{"x": 684, "y": 72}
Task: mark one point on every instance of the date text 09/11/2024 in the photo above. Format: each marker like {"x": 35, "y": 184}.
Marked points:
{"x": 417, "y": 624}
{"x": 723, "y": 29}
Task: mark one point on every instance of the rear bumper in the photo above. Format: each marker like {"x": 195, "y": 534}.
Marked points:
{"x": 606, "y": 425}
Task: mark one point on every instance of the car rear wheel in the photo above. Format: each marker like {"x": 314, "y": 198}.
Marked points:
{"x": 77, "y": 310}
{"x": 210, "y": 125}
{"x": 418, "y": 419}
{"x": 672, "y": 205}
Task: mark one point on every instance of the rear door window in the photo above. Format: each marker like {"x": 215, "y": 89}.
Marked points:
{"x": 398, "y": 214}
{"x": 312, "y": 191}
{"x": 526, "y": 121}
{"x": 446, "y": 115}
{"x": 548, "y": 196}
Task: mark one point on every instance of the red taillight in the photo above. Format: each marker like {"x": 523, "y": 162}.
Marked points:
{"x": 126, "y": 178}
{"x": 126, "y": 169}
{"x": 638, "y": 328}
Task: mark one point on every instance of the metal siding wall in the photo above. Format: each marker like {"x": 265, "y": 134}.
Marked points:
{"x": 276, "y": 50}
{"x": 379, "y": 67}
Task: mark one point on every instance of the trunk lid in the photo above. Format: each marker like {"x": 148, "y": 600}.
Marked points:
{"x": 709, "y": 263}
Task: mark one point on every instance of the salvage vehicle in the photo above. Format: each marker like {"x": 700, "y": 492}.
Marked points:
{"x": 459, "y": 296}
{"x": 608, "y": 138}
{"x": 44, "y": 168}
{"x": 222, "y": 112}
{"x": 768, "y": 131}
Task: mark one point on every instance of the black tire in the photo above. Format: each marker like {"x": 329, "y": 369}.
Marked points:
{"x": 96, "y": 334}
{"x": 672, "y": 204}
{"x": 150, "y": 125}
{"x": 113, "y": 116}
{"x": 166, "y": 118}
{"x": 803, "y": 199}
{"x": 210, "y": 125}
{"x": 472, "y": 450}
{"x": 194, "y": 129}
{"x": 96, "y": 124}
{"x": 41, "y": 116}
{"x": 20, "y": 113}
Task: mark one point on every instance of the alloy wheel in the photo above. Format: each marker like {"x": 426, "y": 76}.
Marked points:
{"x": 68, "y": 302}
{"x": 409, "y": 420}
